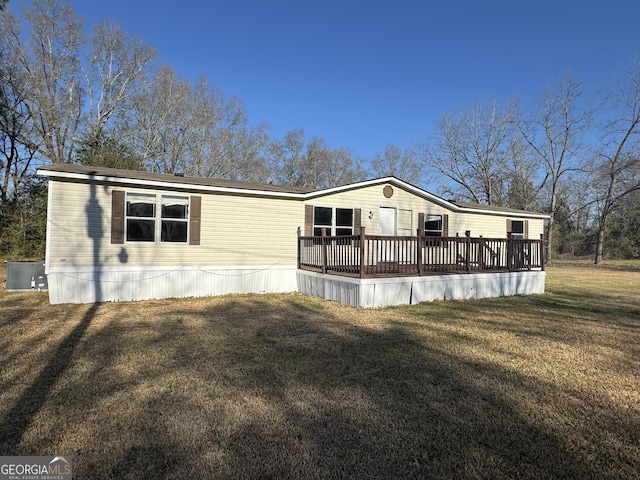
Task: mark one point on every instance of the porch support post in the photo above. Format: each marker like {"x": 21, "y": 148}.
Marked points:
{"x": 543, "y": 263}
{"x": 323, "y": 234}
{"x": 362, "y": 249}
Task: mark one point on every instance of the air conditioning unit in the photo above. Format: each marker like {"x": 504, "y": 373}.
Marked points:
{"x": 26, "y": 276}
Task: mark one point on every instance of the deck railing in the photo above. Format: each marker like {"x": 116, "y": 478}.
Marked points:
{"x": 385, "y": 256}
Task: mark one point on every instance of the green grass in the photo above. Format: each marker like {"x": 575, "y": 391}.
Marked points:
{"x": 285, "y": 386}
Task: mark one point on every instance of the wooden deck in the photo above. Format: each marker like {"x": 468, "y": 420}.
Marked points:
{"x": 375, "y": 256}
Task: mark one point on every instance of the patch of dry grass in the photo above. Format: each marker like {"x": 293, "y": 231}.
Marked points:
{"x": 286, "y": 386}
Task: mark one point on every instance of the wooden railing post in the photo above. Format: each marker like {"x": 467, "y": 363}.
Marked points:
{"x": 468, "y": 241}
{"x": 510, "y": 252}
{"x": 543, "y": 263}
{"x": 299, "y": 248}
{"x": 419, "y": 245}
{"x": 363, "y": 273}
{"x": 481, "y": 253}
{"x": 323, "y": 234}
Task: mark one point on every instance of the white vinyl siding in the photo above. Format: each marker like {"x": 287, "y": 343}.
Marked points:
{"x": 235, "y": 230}
{"x": 371, "y": 198}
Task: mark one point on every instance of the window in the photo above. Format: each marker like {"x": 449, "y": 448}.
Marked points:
{"x": 338, "y": 221}
{"x": 322, "y": 218}
{"x": 433, "y": 225}
{"x": 142, "y": 218}
{"x": 174, "y": 219}
{"x": 141, "y": 213}
{"x": 344, "y": 221}
{"x": 517, "y": 228}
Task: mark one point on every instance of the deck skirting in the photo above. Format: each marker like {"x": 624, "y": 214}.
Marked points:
{"x": 384, "y": 292}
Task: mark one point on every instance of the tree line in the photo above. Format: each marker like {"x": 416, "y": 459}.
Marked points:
{"x": 103, "y": 99}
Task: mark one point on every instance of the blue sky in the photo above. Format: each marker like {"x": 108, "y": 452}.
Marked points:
{"x": 365, "y": 74}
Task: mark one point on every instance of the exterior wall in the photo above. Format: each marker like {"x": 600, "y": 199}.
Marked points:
{"x": 370, "y": 199}
{"x": 385, "y": 292}
{"x": 235, "y": 231}
{"x": 248, "y": 244}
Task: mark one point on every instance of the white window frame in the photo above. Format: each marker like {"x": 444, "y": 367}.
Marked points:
{"x": 334, "y": 219}
{"x": 158, "y": 200}
{"x": 431, "y": 217}
{"x": 514, "y": 234}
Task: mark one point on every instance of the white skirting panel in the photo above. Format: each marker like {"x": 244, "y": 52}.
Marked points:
{"x": 118, "y": 284}
{"x": 383, "y": 292}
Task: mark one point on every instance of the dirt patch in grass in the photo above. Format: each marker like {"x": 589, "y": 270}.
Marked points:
{"x": 286, "y": 386}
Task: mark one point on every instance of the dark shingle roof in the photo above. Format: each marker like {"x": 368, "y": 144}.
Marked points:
{"x": 489, "y": 208}
{"x": 168, "y": 178}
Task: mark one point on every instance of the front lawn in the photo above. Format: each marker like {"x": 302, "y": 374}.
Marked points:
{"x": 286, "y": 386}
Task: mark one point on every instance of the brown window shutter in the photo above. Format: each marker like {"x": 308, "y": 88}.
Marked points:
{"x": 509, "y": 227}
{"x": 117, "y": 217}
{"x": 308, "y": 220}
{"x": 445, "y": 225}
{"x": 421, "y": 222}
{"x": 526, "y": 229}
{"x": 194, "y": 220}
{"x": 357, "y": 220}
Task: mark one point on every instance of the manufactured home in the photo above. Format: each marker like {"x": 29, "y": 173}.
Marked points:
{"x": 120, "y": 235}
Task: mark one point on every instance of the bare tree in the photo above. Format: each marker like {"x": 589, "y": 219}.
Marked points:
{"x": 53, "y": 77}
{"x": 397, "y": 163}
{"x": 116, "y": 70}
{"x": 470, "y": 152}
{"x": 619, "y": 155}
{"x": 296, "y": 162}
{"x": 553, "y": 132}
{"x": 17, "y": 152}
{"x": 326, "y": 167}
{"x": 159, "y": 123}
{"x": 286, "y": 159}
{"x": 195, "y": 130}
{"x": 224, "y": 145}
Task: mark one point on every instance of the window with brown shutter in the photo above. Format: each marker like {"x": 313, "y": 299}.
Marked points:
{"x": 518, "y": 228}
{"x": 148, "y": 217}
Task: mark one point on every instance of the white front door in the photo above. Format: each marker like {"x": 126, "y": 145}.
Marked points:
{"x": 387, "y": 218}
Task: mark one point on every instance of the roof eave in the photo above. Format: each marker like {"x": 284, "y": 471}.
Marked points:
{"x": 135, "y": 182}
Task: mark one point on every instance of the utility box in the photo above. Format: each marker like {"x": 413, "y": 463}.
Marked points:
{"x": 26, "y": 276}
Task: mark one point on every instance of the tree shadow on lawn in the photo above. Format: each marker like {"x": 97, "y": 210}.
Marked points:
{"x": 19, "y": 417}
{"x": 284, "y": 387}
{"x": 327, "y": 399}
